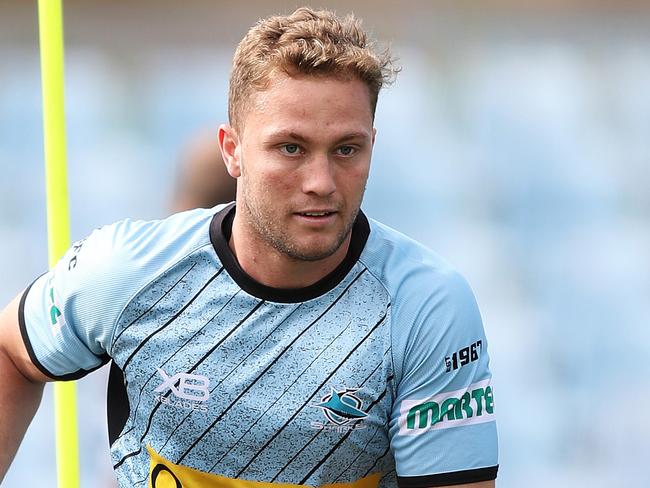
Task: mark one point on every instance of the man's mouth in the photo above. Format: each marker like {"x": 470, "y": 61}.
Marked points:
{"x": 316, "y": 214}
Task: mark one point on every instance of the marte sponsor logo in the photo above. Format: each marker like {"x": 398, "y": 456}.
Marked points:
{"x": 473, "y": 405}
{"x": 191, "y": 391}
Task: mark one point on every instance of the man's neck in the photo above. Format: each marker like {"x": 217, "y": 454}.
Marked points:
{"x": 270, "y": 267}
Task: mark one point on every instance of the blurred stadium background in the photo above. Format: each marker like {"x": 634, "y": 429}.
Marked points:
{"x": 516, "y": 143}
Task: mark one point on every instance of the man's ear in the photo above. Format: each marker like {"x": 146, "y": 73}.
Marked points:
{"x": 230, "y": 149}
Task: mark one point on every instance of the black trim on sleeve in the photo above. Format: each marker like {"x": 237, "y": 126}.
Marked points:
{"x": 117, "y": 403}
{"x": 221, "y": 230}
{"x": 446, "y": 479}
{"x": 32, "y": 355}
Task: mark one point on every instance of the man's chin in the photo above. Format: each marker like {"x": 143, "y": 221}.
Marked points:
{"x": 311, "y": 254}
{"x": 312, "y": 251}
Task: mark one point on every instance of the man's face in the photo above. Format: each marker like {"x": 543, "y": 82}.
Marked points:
{"x": 304, "y": 156}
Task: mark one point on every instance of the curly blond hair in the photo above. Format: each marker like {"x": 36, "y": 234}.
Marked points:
{"x": 306, "y": 42}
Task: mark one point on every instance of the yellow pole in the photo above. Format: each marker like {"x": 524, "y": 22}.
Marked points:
{"x": 58, "y": 223}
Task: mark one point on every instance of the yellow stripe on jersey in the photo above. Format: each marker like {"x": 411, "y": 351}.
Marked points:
{"x": 165, "y": 474}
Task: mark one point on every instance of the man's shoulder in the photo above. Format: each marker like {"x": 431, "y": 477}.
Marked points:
{"x": 130, "y": 251}
{"x": 411, "y": 272}
{"x": 174, "y": 229}
{"x": 390, "y": 251}
{"x": 134, "y": 239}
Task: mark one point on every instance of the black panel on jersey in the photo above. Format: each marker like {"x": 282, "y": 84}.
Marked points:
{"x": 117, "y": 403}
{"x": 444, "y": 479}
{"x": 221, "y": 230}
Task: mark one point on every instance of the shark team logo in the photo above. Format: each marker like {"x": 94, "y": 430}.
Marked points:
{"x": 343, "y": 410}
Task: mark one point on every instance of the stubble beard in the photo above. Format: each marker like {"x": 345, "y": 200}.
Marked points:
{"x": 280, "y": 240}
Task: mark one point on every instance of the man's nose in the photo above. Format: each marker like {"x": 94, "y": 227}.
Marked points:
{"x": 318, "y": 176}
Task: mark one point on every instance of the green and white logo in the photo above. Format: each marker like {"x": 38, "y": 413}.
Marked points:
{"x": 472, "y": 405}
{"x": 57, "y": 320}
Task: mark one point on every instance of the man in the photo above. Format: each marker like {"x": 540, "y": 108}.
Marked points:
{"x": 287, "y": 339}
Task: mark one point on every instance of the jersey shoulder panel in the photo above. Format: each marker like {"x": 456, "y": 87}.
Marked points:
{"x": 431, "y": 300}
{"x": 421, "y": 284}
{"x": 440, "y": 360}
{"x": 68, "y": 315}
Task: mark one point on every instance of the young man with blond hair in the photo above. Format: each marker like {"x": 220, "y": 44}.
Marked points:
{"x": 286, "y": 339}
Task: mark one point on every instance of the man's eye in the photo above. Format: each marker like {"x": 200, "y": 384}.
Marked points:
{"x": 290, "y": 149}
{"x": 346, "y": 150}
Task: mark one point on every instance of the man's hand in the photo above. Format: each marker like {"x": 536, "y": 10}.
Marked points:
{"x": 22, "y": 386}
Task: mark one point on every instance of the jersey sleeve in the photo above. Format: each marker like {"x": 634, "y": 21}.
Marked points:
{"x": 443, "y": 428}
{"x": 68, "y": 314}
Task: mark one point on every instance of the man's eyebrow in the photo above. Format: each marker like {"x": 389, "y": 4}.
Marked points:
{"x": 352, "y": 136}
{"x": 289, "y": 134}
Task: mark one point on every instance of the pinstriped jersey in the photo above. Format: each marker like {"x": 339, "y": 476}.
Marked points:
{"x": 376, "y": 375}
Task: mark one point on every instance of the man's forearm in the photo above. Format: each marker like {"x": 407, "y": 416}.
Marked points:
{"x": 18, "y": 404}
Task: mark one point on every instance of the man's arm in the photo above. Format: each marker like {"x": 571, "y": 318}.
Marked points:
{"x": 22, "y": 385}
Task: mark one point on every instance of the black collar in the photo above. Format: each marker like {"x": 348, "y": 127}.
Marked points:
{"x": 221, "y": 230}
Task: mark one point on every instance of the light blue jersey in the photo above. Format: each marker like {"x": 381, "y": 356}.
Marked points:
{"x": 377, "y": 375}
